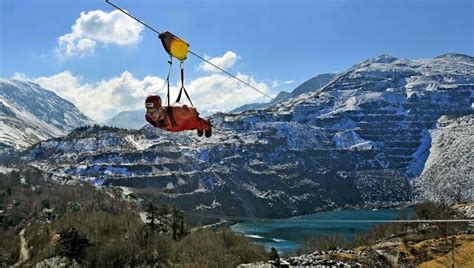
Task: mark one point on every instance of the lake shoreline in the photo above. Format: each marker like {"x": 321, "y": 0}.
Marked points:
{"x": 372, "y": 206}
{"x": 287, "y": 234}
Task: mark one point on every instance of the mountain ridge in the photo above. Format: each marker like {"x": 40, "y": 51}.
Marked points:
{"x": 132, "y": 119}
{"x": 354, "y": 141}
{"x": 312, "y": 84}
{"x": 29, "y": 114}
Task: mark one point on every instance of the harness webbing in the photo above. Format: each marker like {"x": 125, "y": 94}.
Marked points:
{"x": 182, "y": 86}
{"x": 168, "y": 81}
{"x": 169, "y": 113}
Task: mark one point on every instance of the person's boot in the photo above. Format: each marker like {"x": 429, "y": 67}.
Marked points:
{"x": 200, "y": 132}
{"x": 208, "y": 132}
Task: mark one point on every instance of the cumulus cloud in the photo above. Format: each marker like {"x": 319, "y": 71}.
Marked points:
{"x": 105, "y": 99}
{"x": 219, "y": 92}
{"x": 225, "y": 61}
{"x": 98, "y": 27}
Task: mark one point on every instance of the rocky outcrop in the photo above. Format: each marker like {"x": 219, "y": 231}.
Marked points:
{"x": 448, "y": 174}
{"x": 320, "y": 259}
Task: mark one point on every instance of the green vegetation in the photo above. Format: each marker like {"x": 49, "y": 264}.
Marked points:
{"x": 73, "y": 245}
{"x": 93, "y": 226}
{"x": 205, "y": 248}
{"x": 9, "y": 246}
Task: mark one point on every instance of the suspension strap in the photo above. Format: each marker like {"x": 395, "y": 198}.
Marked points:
{"x": 168, "y": 80}
{"x": 169, "y": 114}
{"x": 182, "y": 85}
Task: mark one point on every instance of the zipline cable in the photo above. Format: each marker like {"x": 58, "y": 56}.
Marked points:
{"x": 224, "y": 71}
{"x": 236, "y": 218}
{"x": 130, "y": 15}
{"x": 196, "y": 55}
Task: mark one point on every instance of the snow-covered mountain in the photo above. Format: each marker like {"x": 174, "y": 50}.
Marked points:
{"x": 448, "y": 174}
{"x": 29, "y": 114}
{"x": 134, "y": 119}
{"x": 312, "y": 84}
{"x": 362, "y": 138}
{"x": 261, "y": 105}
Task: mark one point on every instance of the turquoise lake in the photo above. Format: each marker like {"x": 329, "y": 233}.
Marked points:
{"x": 286, "y": 234}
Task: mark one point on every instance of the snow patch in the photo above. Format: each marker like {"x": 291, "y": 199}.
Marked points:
{"x": 420, "y": 155}
{"x": 169, "y": 186}
{"x": 350, "y": 140}
{"x": 5, "y": 170}
{"x": 138, "y": 143}
{"x": 202, "y": 207}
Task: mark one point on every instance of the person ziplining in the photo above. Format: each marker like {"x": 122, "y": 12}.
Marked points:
{"x": 176, "y": 118}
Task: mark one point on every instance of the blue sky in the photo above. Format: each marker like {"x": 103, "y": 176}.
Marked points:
{"x": 276, "y": 44}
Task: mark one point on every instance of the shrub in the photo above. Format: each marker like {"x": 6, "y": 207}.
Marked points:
{"x": 205, "y": 248}
{"x": 73, "y": 245}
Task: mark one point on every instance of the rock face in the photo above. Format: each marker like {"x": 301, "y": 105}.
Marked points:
{"x": 448, "y": 175}
{"x": 318, "y": 259}
{"x": 29, "y": 114}
{"x": 361, "y": 138}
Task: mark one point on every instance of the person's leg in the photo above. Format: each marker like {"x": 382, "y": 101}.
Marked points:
{"x": 208, "y": 129}
{"x": 206, "y": 126}
{"x": 201, "y": 125}
{"x": 200, "y": 132}
{"x": 208, "y": 132}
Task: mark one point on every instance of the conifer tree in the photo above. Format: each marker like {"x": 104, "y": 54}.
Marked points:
{"x": 178, "y": 227}
{"x": 162, "y": 219}
{"x": 274, "y": 256}
{"x": 73, "y": 245}
{"x": 151, "y": 217}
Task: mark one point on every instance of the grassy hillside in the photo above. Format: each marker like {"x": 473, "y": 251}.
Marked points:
{"x": 462, "y": 256}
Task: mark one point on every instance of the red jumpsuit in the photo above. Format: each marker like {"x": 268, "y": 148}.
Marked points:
{"x": 179, "y": 118}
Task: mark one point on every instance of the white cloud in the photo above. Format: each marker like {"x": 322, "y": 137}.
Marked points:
{"x": 277, "y": 83}
{"x": 218, "y": 92}
{"x": 20, "y": 76}
{"x": 102, "y": 100}
{"x": 225, "y": 61}
{"x": 98, "y": 27}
